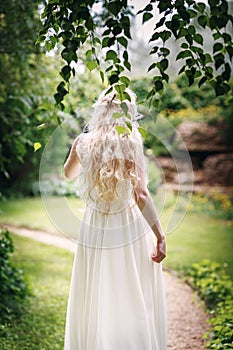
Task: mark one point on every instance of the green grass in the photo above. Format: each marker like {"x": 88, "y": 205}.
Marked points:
{"x": 199, "y": 236}
{"x": 31, "y": 212}
{"x": 48, "y": 271}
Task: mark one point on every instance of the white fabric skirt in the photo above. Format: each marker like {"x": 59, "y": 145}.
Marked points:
{"x": 117, "y": 299}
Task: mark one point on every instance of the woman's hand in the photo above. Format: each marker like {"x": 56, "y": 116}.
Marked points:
{"x": 160, "y": 252}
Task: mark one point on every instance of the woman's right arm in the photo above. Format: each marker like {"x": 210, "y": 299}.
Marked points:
{"x": 146, "y": 205}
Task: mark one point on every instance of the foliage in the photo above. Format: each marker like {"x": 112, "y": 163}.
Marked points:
{"x": 213, "y": 203}
{"x": 55, "y": 187}
{"x": 25, "y": 102}
{"x": 105, "y": 35}
{"x": 13, "y": 289}
{"x": 215, "y": 288}
{"x": 42, "y": 326}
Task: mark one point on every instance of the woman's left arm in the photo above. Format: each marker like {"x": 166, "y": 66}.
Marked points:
{"x": 72, "y": 164}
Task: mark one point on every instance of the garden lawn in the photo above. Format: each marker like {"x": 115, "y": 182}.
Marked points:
{"x": 199, "y": 236}
{"x": 48, "y": 271}
{"x": 31, "y": 213}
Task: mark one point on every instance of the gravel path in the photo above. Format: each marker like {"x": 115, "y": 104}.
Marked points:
{"x": 186, "y": 315}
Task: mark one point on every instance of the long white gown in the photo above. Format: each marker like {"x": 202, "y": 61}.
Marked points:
{"x": 117, "y": 299}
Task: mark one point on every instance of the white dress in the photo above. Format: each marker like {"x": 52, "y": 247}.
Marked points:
{"x": 117, "y": 299}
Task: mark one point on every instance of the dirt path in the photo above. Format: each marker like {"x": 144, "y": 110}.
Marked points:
{"x": 186, "y": 316}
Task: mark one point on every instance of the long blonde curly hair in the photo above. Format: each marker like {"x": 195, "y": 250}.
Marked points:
{"x": 113, "y": 157}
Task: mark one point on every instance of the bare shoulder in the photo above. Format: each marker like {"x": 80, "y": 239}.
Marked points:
{"x": 79, "y": 139}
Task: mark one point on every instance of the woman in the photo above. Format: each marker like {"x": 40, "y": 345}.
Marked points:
{"x": 116, "y": 296}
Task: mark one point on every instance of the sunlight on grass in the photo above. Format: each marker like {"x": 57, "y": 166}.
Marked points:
{"x": 31, "y": 213}
{"x": 48, "y": 270}
{"x": 197, "y": 237}
{"x": 200, "y": 237}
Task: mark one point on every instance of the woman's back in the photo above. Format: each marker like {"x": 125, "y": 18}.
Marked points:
{"x": 109, "y": 168}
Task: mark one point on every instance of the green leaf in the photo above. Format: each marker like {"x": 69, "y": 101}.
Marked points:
{"x": 48, "y": 46}
{"x": 116, "y": 30}
{"x": 219, "y": 60}
{"x": 120, "y": 88}
{"x": 197, "y": 74}
{"x": 164, "y": 64}
{"x": 217, "y": 47}
{"x": 89, "y": 24}
{"x": 114, "y": 7}
{"x": 102, "y": 76}
{"x": 226, "y": 38}
{"x": 146, "y": 17}
{"x": 40, "y": 39}
{"x": 190, "y": 75}
{"x": 216, "y": 36}
{"x": 208, "y": 58}
{"x": 156, "y": 103}
{"x": 69, "y": 56}
{"x": 129, "y": 124}
{"x": 165, "y": 35}
{"x": 198, "y": 38}
{"x": 164, "y": 51}
{"x": 164, "y": 5}
{"x": 227, "y": 72}
{"x": 202, "y": 81}
{"x": 149, "y": 7}
{"x": 191, "y": 30}
{"x": 96, "y": 40}
{"x": 65, "y": 73}
{"x": 125, "y": 80}
{"x": 127, "y": 65}
{"x": 152, "y": 66}
{"x": 221, "y": 88}
{"x": 123, "y": 41}
{"x": 124, "y": 107}
{"x": 119, "y": 68}
{"x": 114, "y": 78}
{"x": 182, "y": 33}
{"x": 89, "y": 53}
{"x": 126, "y": 96}
{"x": 202, "y": 20}
{"x": 58, "y": 97}
{"x": 229, "y": 49}
{"x": 143, "y": 132}
{"x": 200, "y": 6}
{"x": 111, "y": 55}
{"x": 122, "y": 130}
{"x": 183, "y": 54}
{"x": 181, "y": 70}
{"x": 117, "y": 115}
{"x": 158, "y": 85}
{"x": 91, "y": 65}
{"x": 150, "y": 93}
{"x": 36, "y": 145}
{"x": 154, "y": 50}
{"x": 154, "y": 37}
{"x": 184, "y": 45}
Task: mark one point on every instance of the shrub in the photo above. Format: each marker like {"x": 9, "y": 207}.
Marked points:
{"x": 213, "y": 203}
{"x": 215, "y": 287}
{"x": 13, "y": 289}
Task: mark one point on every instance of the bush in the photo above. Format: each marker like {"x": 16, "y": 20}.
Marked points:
{"x": 214, "y": 203}
{"x": 13, "y": 289}
{"x": 215, "y": 287}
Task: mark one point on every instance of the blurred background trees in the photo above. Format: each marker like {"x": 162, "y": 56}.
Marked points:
{"x": 29, "y": 79}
